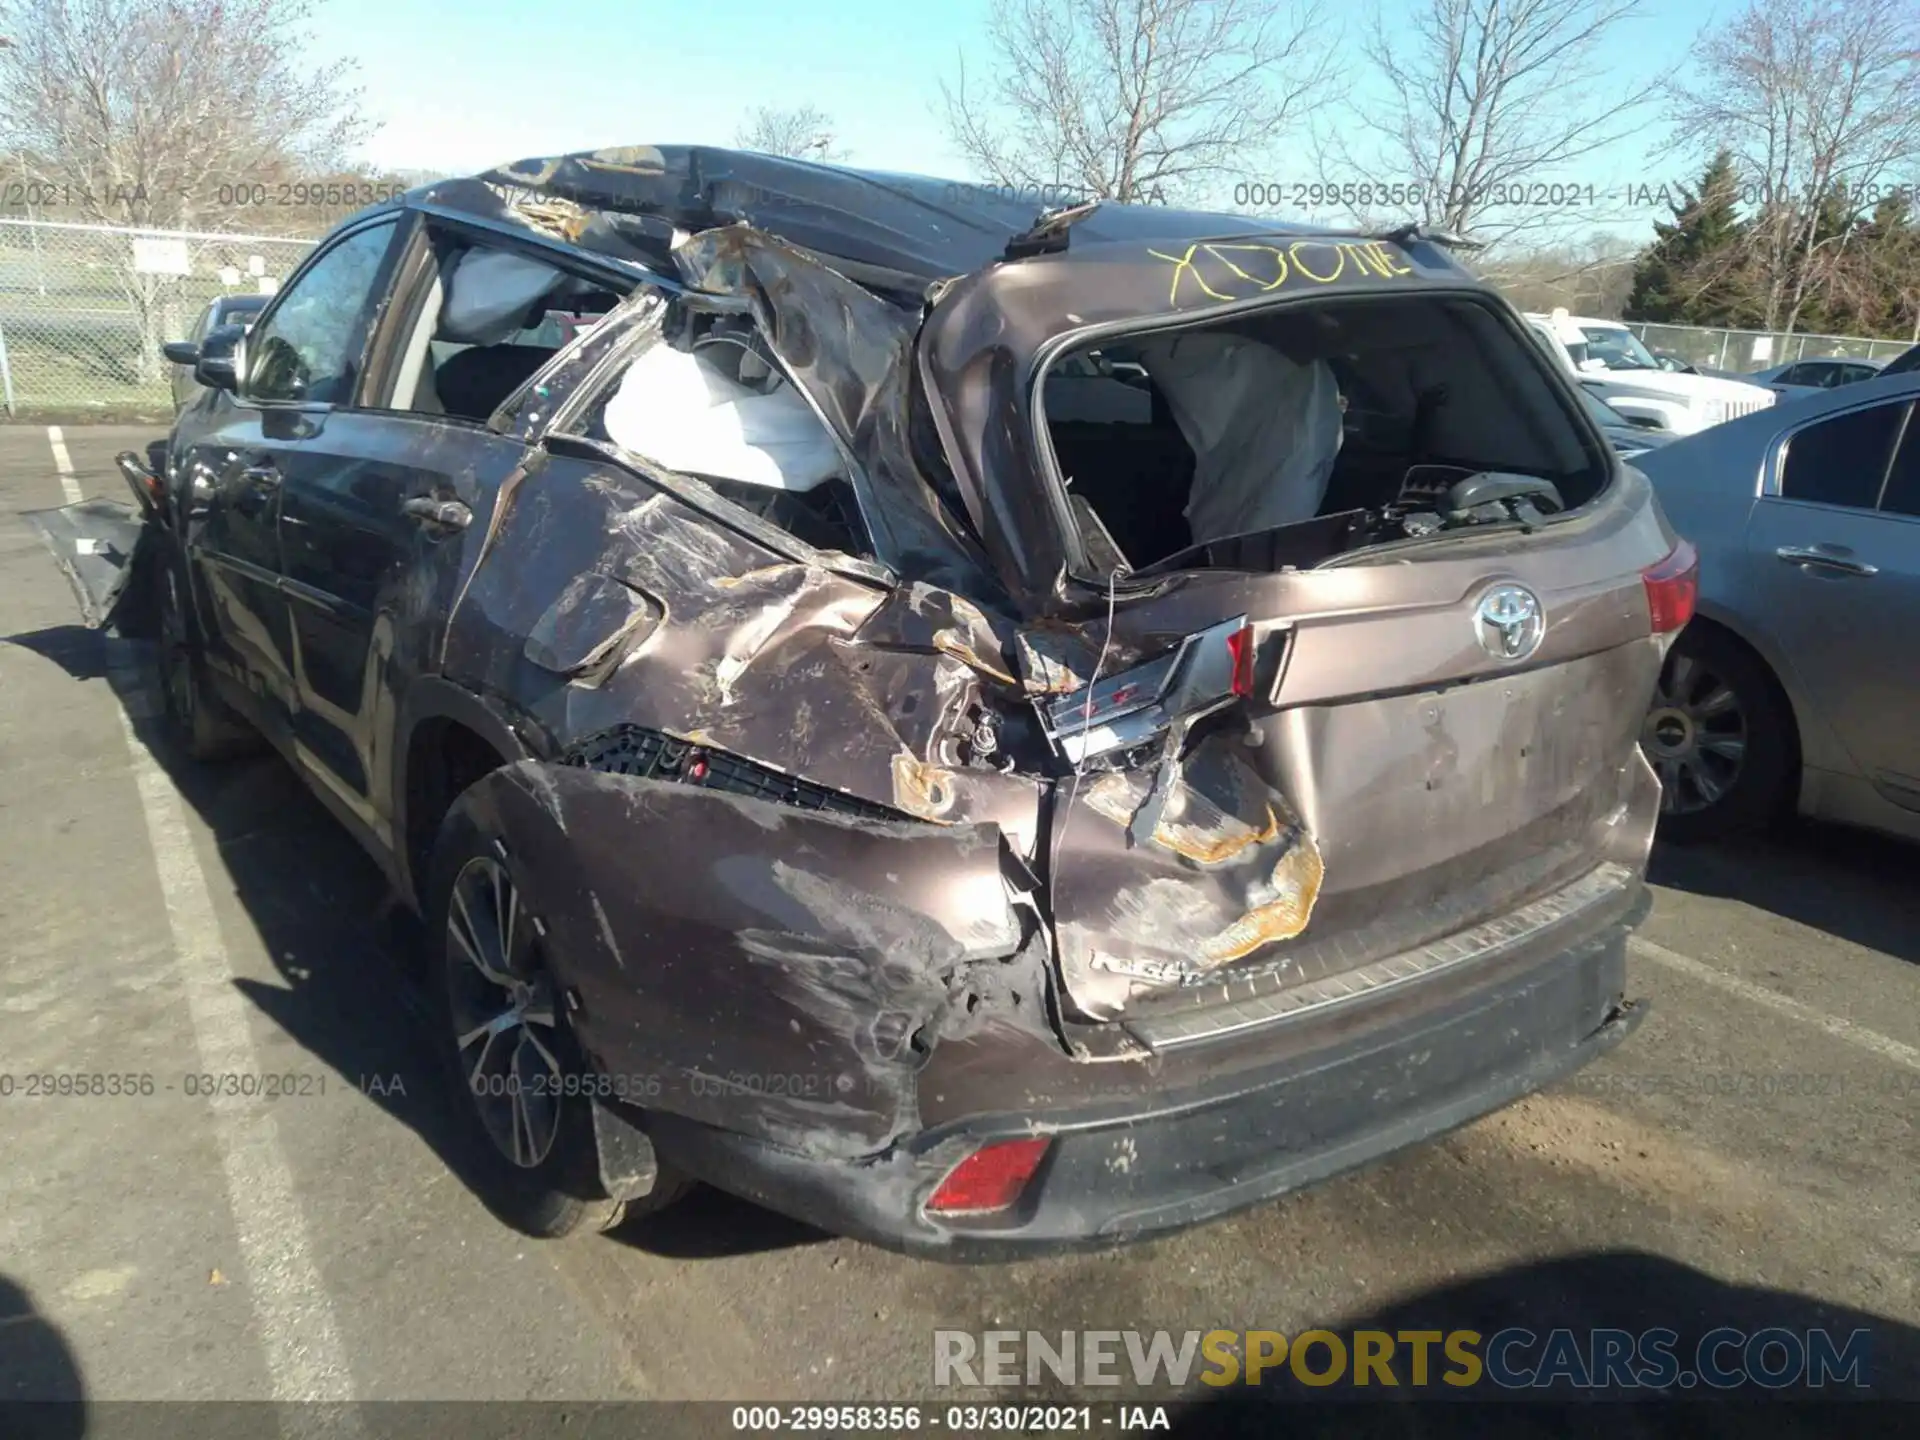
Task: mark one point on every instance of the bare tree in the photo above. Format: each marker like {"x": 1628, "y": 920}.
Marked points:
{"x": 142, "y": 110}
{"x": 1589, "y": 277}
{"x": 1137, "y": 99}
{"x": 803, "y": 133}
{"x": 1495, "y": 102}
{"x": 1819, "y": 103}
{"x": 168, "y": 113}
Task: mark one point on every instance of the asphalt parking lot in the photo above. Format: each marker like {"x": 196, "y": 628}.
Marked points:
{"x": 1747, "y": 1158}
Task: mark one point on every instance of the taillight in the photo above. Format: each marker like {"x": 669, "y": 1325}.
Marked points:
{"x": 1240, "y": 646}
{"x": 1673, "y": 586}
{"x": 989, "y": 1179}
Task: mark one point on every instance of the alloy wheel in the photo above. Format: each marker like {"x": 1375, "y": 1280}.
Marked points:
{"x": 1695, "y": 735}
{"x": 503, "y": 1013}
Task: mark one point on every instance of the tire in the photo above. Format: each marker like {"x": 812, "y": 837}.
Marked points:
{"x": 1721, "y": 737}
{"x": 535, "y": 1166}
{"x": 197, "y": 720}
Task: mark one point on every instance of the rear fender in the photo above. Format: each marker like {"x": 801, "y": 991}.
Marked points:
{"x": 781, "y": 973}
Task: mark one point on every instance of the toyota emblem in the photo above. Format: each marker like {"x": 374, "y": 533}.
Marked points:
{"x": 1509, "y": 622}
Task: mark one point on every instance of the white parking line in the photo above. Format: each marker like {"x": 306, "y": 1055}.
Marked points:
{"x": 1837, "y": 1026}
{"x": 69, "y": 487}
{"x": 294, "y": 1318}
{"x": 305, "y": 1359}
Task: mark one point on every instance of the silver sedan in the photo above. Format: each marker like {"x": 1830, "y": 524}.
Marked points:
{"x": 1797, "y": 686}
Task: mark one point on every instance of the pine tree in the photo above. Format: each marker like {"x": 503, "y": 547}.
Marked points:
{"x": 1877, "y": 291}
{"x": 1694, "y": 272}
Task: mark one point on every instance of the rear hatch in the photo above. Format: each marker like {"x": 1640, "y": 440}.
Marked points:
{"x": 1314, "y": 750}
{"x": 1386, "y": 776}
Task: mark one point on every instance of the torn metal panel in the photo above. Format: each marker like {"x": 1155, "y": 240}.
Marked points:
{"x": 100, "y": 546}
{"x": 643, "y": 611}
{"x": 1224, "y": 868}
{"x": 923, "y": 617}
{"x": 589, "y": 629}
{"x": 791, "y": 972}
{"x": 849, "y": 351}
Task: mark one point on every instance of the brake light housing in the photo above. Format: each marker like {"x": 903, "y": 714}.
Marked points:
{"x": 991, "y": 1179}
{"x": 1240, "y": 647}
{"x": 1673, "y": 588}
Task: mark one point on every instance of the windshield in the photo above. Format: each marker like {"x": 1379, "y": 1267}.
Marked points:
{"x": 239, "y": 312}
{"x": 1618, "y": 349}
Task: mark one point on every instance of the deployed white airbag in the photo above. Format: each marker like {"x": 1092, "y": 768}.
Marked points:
{"x": 1265, "y": 431}
{"x": 489, "y": 294}
{"x": 677, "y": 410}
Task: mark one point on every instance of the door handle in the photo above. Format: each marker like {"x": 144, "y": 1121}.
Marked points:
{"x": 446, "y": 514}
{"x": 261, "y": 477}
{"x": 1826, "y": 560}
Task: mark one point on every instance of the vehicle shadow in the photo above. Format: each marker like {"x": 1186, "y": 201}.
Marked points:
{"x": 1631, "y": 1291}
{"x": 349, "y": 957}
{"x": 1849, "y": 883}
{"x": 42, "y": 1393}
{"x": 74, "y": 648}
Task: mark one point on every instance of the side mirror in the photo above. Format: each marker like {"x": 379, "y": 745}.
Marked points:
{"x": 219, "y": 362}
{"x": 181, "y": 352}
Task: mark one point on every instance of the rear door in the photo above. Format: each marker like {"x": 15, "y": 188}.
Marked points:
{"x": 1834, "y": 542}
{"x": 379, "y": 509}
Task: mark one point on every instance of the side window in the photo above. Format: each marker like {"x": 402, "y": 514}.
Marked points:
{"x": 721, "y": 412}
{"x": 1902, "y": 495}
{"x": 1843, "y": 460}
{"x": 312, "y": 345}
{"x": 1853, "y": 374}
{"x": 1796, "y": 375}
{"x": 489, "y": 319}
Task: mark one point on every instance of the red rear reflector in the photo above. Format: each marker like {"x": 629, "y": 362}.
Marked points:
{"x": 1240, "y": 643}
{"x": 1672, "y": 587}
{"x": 989, "y": 1179}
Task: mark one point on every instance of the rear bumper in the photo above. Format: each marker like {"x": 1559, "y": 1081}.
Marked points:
{"x": 1183, "y": 1158}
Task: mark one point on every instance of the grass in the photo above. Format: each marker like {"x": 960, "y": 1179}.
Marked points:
{"x": 85, "y": 377}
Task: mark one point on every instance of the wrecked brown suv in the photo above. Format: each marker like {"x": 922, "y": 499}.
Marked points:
{"x": 976, "y": 730}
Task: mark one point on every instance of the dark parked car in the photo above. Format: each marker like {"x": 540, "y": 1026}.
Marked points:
{"x": 825, "y": 775}
{"x": 222, "y": 311}
{"x": 1803, "y": 377}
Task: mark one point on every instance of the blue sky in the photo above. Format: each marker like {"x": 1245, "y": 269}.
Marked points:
{"x": 461, "y": 89}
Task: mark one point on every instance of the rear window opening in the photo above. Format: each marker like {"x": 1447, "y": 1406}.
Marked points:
{"x": 1290, "y": 436}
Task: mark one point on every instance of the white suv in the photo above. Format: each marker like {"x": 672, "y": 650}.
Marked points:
{"x": 1608, "y": 359}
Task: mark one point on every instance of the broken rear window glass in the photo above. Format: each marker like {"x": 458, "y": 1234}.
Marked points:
{"x": 1183, "y": 438}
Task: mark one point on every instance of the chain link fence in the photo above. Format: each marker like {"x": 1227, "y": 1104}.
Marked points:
{"x": 1744, "y": 351}
{"x": 84, "y": 309}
